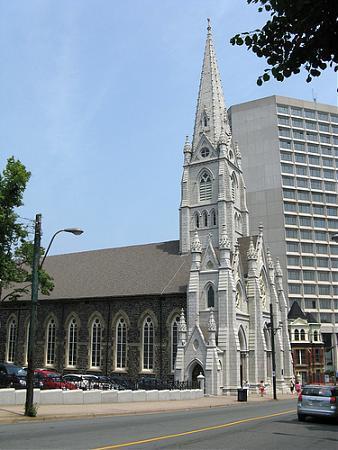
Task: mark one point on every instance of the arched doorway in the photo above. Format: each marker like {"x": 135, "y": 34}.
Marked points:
{"x": 197, "y": 370}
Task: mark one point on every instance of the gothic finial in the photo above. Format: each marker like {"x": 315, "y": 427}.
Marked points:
{"x": 251, "y": 251}
{"x": 182, "y": 324}
{"x": 212, "y": 327}
{"x": 187, "y": 145}
{"x": 260, "y": 229}
{"x": 279, "y": 272}
{"x": 196, "y": 246}
{"x": 237, "y": 152}
{"x": 224, "y": 242}
{"x": 269, "y": 259}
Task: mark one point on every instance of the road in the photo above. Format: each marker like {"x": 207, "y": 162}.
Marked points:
{"x": 268, "y": 425}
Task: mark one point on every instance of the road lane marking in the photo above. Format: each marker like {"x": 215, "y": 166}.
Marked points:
{"x": 199, "y": 430}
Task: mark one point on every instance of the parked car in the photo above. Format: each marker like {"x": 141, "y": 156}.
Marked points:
{"x": 82, "y": 381}
{"x": 22, "y": 375}
{"x": 9, "y": 376}
{"x": 53, "y": 380}
{"x": 317, "y": 401}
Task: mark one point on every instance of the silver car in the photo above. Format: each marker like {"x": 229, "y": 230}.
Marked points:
{"x": 317, "y": 401}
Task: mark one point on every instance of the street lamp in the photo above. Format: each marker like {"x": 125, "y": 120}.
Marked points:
{"x": 29, "y": 407}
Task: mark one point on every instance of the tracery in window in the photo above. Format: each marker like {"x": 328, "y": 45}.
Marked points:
{"x": 51, "y": 342}
{"x": 121, "y": 344}
{"x": 96, "y": 343}
{"x": 205, "y": 186}
{"x": 148, "y": 344}
{"x": 11, "y": 341}
{"x": 72, "y": 343}
{"x": 205, "y": 152}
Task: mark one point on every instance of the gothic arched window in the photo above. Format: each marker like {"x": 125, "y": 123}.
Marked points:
{"x": 205, "y": 186}
{"x": 315, "y": 335}
{"x": 205, "y": 219}
{"x": 11, "y": 341}
{"x": 296, "y": 335}
{"x": 213, "y": 218}
{"x": 174, "y": 340}
{"x": 50, "y": 342}
{"x": 121, "y": 344}
{"x": 72, "y": 343}
{"x": 302, "y": 334}
{"x": 197, "y": 220}
{"x": 95, "y": 347}
{"x": 234, "y": 186}
{"x": 148, "y": 344}
{"x": 211, "y": 297}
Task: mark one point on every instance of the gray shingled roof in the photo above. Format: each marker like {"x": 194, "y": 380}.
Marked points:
{"x": 127, "y": 271}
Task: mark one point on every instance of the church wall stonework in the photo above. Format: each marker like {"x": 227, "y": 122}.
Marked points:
{"x": 161, "y": 307}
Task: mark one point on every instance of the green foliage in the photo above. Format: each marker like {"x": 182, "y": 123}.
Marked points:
{"x": 32, "y": 411}
{"x": 299, "y": 33}
{"x": 16, "y": 250}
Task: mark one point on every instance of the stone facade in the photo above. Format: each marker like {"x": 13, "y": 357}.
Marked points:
{"x": 161, "y": 308}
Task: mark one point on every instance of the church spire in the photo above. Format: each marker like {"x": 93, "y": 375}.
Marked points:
{"x": 211, "y": 116}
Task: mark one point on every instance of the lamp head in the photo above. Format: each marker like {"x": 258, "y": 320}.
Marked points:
{"x": 76, "y": 231}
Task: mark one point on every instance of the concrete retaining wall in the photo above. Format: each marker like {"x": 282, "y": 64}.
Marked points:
{"x": 79, "y": 397}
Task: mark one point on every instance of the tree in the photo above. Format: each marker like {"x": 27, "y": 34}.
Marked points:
{"x": 16, "y": 250}
{"x": 300, "y": 33}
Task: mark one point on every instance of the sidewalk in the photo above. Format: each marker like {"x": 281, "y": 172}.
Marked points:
{"x": 14, "y": 414}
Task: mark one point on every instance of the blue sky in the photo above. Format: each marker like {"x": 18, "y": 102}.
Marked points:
{"x": 97, "y": 97}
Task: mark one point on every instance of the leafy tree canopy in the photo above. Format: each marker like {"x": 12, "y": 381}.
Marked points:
{"x": 16, "y": 249}
{"x": 299, "y": 33}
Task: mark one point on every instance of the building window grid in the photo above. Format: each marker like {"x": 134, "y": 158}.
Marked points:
{"x": 329, "y": 174}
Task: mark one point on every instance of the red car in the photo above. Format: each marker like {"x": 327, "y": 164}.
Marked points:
{"x": 53, "y": 380}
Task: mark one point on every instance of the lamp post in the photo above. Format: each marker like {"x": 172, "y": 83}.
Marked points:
{"x": 29, "y": 409}
{"x": 273, "y": 354}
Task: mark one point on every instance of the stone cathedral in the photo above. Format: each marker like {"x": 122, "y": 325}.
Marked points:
{"x": 176, "y": 309}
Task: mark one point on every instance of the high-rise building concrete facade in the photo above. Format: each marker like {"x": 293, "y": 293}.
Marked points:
{"x": 290, "y": 164}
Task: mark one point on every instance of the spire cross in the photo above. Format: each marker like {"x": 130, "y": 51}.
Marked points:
{"x": 209, "y": 25}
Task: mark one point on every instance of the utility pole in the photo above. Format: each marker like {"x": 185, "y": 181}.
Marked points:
{"x": 29, "y": 407}
{"x": 273, "y": 355}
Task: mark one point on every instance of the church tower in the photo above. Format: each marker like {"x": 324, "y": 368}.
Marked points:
{"x": 213, "y": 196}
{"x": 224, "y": 333}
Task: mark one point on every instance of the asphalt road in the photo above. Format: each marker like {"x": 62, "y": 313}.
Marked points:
{"x": 268, "y": 425}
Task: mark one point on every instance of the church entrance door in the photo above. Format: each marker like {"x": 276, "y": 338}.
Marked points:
{"x": 195, "y": 372}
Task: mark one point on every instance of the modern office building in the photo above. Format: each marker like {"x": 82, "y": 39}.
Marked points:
{"x": 290, "y": 163}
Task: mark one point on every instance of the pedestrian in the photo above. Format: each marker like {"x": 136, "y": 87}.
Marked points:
{"x": 298, "y": 387}
{"x": 292, "y": 386}
{"x": 262, "y": 388}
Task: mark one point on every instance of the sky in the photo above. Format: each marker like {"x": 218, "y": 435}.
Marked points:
{"x": 97, "y": 97}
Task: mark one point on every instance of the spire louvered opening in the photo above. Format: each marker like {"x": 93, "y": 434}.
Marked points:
{"x": 205, "y": 187}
